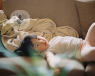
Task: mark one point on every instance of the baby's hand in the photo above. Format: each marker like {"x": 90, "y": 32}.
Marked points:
{"x": 54, "y": 67}
{"x": 53, "y": 62}
{"x": 56, "y": 71}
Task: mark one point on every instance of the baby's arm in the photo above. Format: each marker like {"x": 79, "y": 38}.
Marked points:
{"x": 52, "y": 62}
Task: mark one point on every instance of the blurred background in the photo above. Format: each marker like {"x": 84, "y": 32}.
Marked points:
{"x": 1, "y": 4}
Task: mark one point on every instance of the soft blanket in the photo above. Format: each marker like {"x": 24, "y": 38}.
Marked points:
{"x": 13, "y": 31}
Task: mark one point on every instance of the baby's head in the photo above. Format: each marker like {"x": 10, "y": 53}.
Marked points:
{"x": 39, "y": 44}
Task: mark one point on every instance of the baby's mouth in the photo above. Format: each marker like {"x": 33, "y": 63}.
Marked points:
{"x": 45, "y": 43}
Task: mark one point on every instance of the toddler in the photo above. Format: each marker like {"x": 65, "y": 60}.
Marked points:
{"x": 83, "y": 50}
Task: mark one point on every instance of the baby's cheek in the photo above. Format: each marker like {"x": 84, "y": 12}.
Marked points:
{"x": 42, "y": 48}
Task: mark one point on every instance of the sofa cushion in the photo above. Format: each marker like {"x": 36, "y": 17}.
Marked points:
{"x": 72, "y": 67}
{"x": 23, "y": 66}
{"x": 62, "y": 12}
{"x": 8, "y": 67}
{"x": 86, "y": 10}
{"x": 75, "y": 67}
{"x": 90, "y": 69}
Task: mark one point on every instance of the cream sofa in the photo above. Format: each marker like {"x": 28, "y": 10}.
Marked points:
{"x": 78, "y": 14}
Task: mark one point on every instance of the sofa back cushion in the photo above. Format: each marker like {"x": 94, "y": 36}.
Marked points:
{"x": 86, "y": 10}
{"x": 62, "y": 12}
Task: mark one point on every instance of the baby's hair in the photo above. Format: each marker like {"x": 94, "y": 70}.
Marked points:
{"x": 26, "y": 43}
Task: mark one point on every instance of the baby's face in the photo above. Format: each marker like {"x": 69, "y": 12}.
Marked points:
{"x": 40, "y": 44}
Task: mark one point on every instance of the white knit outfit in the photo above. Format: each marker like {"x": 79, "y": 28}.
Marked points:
{"x": 67, "y": 46}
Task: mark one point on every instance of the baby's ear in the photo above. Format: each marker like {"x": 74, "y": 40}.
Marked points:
{"x": 36, "y": 53}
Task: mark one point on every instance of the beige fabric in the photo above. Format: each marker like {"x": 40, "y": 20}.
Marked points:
{"x": 3, "y": 18}
{"x": 12, "y": 36}
{"x": 62, "y": 12}
{"x": 65, "y": 31}
{"x": 86, "y": 12}
{"x": 2, "y": 15}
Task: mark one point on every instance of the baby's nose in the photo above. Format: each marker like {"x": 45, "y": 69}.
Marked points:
{"x": 42, "y": 42}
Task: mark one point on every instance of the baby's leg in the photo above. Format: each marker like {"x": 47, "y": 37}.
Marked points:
{"x": 88, "y": 51}
{"x": 90, "y": 37}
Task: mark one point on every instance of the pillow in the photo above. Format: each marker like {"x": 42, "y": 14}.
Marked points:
{"x": 86, "y": 11}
